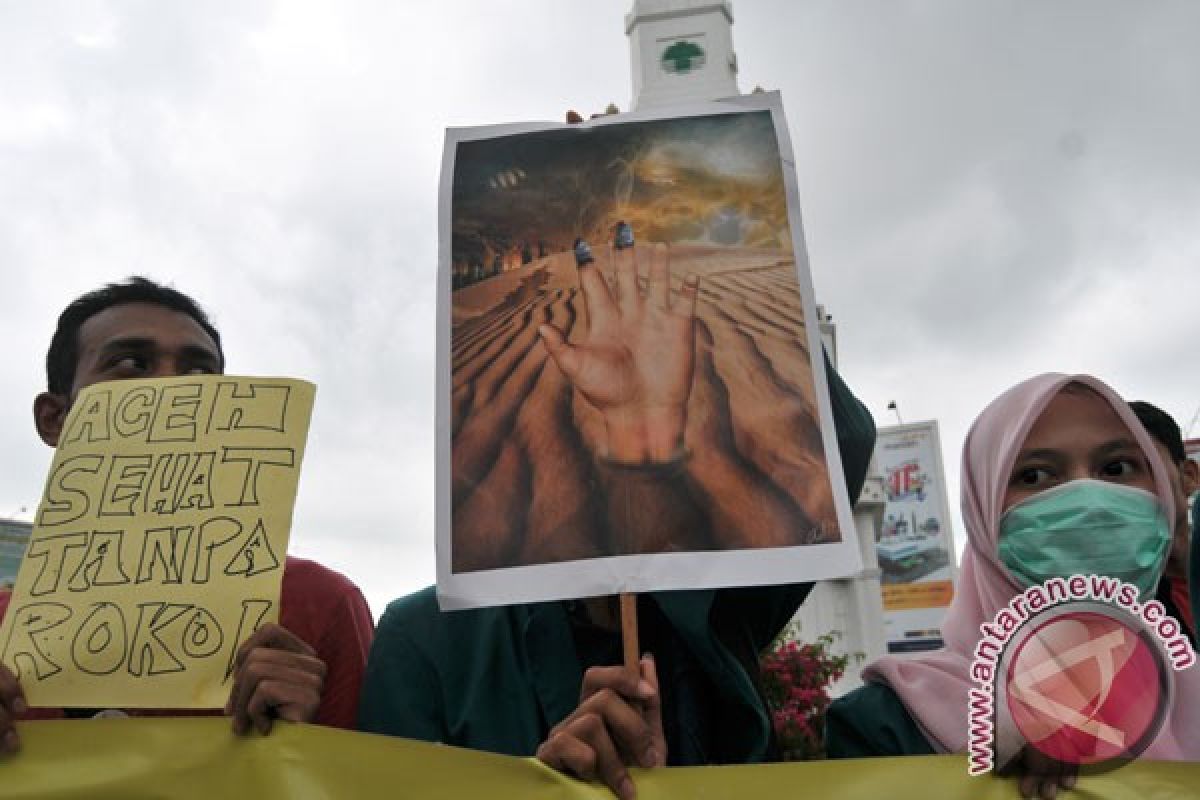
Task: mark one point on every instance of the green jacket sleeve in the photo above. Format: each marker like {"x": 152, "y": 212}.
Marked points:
{"x": 855, "y": 431}
{"x": 871, "y": 721}
{"x": 401, "y": 695}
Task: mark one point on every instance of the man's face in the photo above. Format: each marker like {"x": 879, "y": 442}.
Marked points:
{"x": 132, "y": 340}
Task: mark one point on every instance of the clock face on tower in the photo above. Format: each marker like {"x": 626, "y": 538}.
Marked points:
{"x": 682, "y": 57}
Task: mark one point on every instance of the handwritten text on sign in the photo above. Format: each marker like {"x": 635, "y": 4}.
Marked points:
{"x": 160, "y": 542}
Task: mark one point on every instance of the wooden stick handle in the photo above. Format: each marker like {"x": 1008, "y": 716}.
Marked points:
{"x": 629, "y": 632}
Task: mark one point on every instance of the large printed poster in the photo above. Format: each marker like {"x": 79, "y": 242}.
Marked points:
{"x": 915, "y": 547}
{"x": 631, "y": 396}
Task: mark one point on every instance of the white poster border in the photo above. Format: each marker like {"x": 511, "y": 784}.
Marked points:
{"x": 646, "y": 572}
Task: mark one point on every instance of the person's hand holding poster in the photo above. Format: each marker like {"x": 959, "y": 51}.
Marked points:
{"x": 160, "y": 541}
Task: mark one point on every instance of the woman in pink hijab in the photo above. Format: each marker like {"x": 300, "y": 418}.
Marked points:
{"x": 1048, "y": 437}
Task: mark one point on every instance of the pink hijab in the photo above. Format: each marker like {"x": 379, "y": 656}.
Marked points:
{"x": 934, "y": 687}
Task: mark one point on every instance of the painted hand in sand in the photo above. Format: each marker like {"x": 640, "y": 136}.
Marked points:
{"x": 635, "y": 360}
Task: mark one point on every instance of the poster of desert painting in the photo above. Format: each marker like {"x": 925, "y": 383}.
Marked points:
{"x": 630, "y": 367}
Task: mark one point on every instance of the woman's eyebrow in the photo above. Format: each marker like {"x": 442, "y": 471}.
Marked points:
{"x": 1117, "y": 446}
{"x": 1038, "y": 454}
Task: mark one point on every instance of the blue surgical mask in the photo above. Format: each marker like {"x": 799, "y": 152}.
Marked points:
{"x": 1087, "y": 527}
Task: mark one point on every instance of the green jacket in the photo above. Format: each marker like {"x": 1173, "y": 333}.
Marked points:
{"x": 871, "y": 721}
{"x": 499, "y": 678}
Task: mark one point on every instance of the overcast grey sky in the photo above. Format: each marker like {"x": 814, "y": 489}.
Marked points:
{"x": 989, "y": 189}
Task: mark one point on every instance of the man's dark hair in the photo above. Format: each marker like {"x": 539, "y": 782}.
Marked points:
{"x": 1161, "y": 426}
{"x": 63, "y": 356}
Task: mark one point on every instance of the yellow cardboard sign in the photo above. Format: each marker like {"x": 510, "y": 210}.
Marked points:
{"x": 160, "y": 541}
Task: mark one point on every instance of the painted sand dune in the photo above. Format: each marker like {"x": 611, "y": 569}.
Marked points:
{"x": 526, "y": 487}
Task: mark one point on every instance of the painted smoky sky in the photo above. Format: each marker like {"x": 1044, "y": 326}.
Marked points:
{"x": 703, "y": 179}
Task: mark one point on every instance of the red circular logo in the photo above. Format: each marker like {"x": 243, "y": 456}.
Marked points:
{"x": 1085, "y": 687}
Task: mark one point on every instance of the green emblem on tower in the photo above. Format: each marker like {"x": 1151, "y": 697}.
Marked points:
{"x": 683, "y": 57}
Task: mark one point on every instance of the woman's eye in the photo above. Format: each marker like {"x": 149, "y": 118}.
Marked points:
{"x": 1032, "y": 476}
{"x": 1121, "y": 468}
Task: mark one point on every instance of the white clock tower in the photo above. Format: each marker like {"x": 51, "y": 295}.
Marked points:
{"x": 682, "y": 51}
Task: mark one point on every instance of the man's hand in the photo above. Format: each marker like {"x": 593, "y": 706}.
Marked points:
{"x": 1040, "y": 776}
{"x": 635, "y": 361}
{"x": 275, "y": 675}
{"x": 618, "y": 723}
{"x": 12, "y": 703}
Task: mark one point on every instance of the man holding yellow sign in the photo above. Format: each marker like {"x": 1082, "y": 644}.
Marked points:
{"x": 157, "y": 568}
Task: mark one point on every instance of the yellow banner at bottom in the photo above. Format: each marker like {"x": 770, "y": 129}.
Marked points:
{"x": 129, "y": 759}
